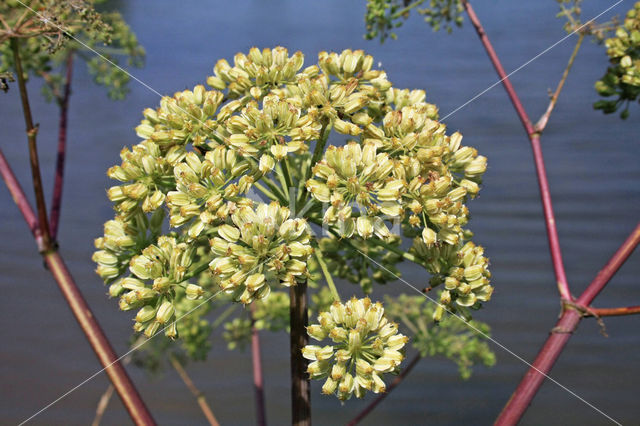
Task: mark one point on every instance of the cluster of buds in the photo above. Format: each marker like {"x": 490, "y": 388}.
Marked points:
{"x": 121, "y": 241}
{"x": 206, "y": 190}
{"x": 623, "y": 75}
{"x": 366, "y": 345}
{"x": 187, "y": 117}
{"x": 356, "y": 174}
{"x": 165, "y": 264}
{"x": 257, "y": 73}
{"x": 271, "y": 132}
{"x": 258, "y": 249}
{"x": 148, "y": 173}
{"x": 463, "y": 269}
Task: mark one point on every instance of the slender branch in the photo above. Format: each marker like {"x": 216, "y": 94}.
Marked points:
{"x": 20, "y": 198}
{"x": 327, "y": 275}
{"x": 369, "y": 408}
{"x": 560, "y": 334}
{"x": 258, "y": 380}
{"x": 300, "y": 387}
{"x": 62, "y": 148}
{"x": 87, "y": 321}
{"x": 32, "y": 131}
{"x": 325, "y": 131}
{"x": 103, "y": 403}
{"x": 614, "y": 312}
{"x": 610, "y": 268}
{"x": 542, "y": 122}
{"x": 202, "y": 400}
{"x": 406, "y": 9}
{"x": 545, "y": 194}
{"x": 265, "y": 191}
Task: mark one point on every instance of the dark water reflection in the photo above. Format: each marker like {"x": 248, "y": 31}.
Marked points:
{"x": 592, "y": 164}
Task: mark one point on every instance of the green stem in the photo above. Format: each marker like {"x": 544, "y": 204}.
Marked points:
{"x": 224, "y": 315}
{"x": 287, "y": 176}
{"x": 406, "y": 9}
{"x": 32, "y": 131}
{"x": 327, "y": 274}
{"x": 266, "y": 192}
{"x": 317, "y": 154}
{"x": 275, "y": 189}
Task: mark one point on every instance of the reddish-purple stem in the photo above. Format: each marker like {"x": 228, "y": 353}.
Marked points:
{"x": 369, "y": 408}
{"x": 615, "y": 312}
{"x": 523, "y": 395}
{"x": 98, "y": 341}
{"x": 258, "y": 382}
{"x": 560, "y": 334}
{"x": 552, "y": 231}
{"x": 54, "y": 217}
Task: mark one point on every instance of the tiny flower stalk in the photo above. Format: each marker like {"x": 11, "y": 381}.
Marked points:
{"x": 188, "y": 225}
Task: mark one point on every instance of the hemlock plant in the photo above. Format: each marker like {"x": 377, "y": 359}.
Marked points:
{"x": 238, "y": 192}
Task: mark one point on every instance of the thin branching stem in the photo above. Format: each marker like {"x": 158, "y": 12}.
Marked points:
{"x": 258, "y": 377}
{"x": 327, "y": 274}
{"x": 542, "y": 122}
{"x": 534, "y": 137}
{"x": 615, "y": 312}
{"x": 63, "y": 102}
{"x": 202, "y": 400}
{"x": 32, "y": 131}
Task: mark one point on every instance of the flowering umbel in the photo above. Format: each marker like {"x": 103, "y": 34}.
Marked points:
{"x": 365, "y": 345}
{"x": 222, "y": 196}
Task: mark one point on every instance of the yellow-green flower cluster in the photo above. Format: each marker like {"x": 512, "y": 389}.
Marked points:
{"x": 256, "y": 73}
{"x": 623, "y": 75}
{"x": 258, "y": 249}
{"x": 165, "y": 264}
{"x": 206, "y": 190}
{"x": 464, "y": 270}
{"x": 148, "y": 174}
{"x": 271, "y": 132}
{"x": 365, "y": 346}
{"x": 356, "y": 174}
{"x": 187, "y": 117}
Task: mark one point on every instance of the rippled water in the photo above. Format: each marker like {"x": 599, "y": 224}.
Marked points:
{"x": 592, "y": 165}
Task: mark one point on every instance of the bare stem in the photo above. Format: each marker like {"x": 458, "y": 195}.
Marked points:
{"x": 542, "y": 122}
{"x": 202, "y": 400}
{"x": 614, "y": 312}
{"x": 560, "y": 334}
{"x": 85, "y": 318}
{"x": 369, "y": 408}
{"x": 534, "y": 137}
{"x": 103, "y": 403}
{"x": 327, "y": 275}
{"x": 62, "y": 148}
{"x": 32, "y": 131}
{"x": 258, "y": 379}
{"x": 300, "y": 388}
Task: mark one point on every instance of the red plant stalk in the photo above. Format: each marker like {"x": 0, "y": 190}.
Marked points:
{"x": 545, "y": 194}
{"x": 615, "y": 312}
{"x": 571, "y": 316}
{"x": 369, "y": 408}
{"x": 54, "y": 216}
{"x": 258, "y": 382}
{"x": 117, "y": 374}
